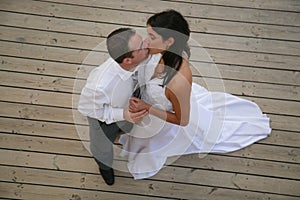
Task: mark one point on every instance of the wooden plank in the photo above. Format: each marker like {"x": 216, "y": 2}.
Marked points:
{"x": 95, "y": 57}
{"x": 44, "y": 67}
{"x": 267, "y": 152}
{"x": 49, "y": 53}
{"x": 72, "y": 56}
{"x": 163, "y": 189}
{"x": 246, "y": 88}
{"x": 197, "y": 39}
{"x": 246, "y": 59}
{"x": 28, "y": 191}
{"x": 81, "y": 148}
{"x": 283, "y": 138}
{"x": 196, "y": 25}
{"x": 239, "y": 181}
{"x": 213, "y": 162}
{"x": 55, "y": 24}
{"x": 67, "y": 131}
{"x": 287, "y": 5}
{"x": 57, "y": 130}
{"x": 253, "y": 74}
{"x": 68, "y": 85}
{"x": 91, "y": 181}
{"x": 25, "y": 111}
{"x": 41, "y": 82}
{"x": 239, "y": 165}
{"x": 203, "y": 69}
{"x": 44, "y": 37}
{"x": 37, "y": 192}
{"x": 280, "y": 122}
{"x": 66, "y": 100}
{"x": 45, "y": 145}
{"x": 199, "y": 11}
{"x": 276, "y": 107}
{"x": 201, "y": 66}
{"x": 53, "y": 114}
{"x": 245, "y": 44}
{"x": 37, "y": 97}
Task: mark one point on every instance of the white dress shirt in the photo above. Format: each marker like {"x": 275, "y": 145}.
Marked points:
{"x": 107, "y": 91}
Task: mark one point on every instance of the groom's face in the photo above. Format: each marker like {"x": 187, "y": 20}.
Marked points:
{"x": 138, "y": 48}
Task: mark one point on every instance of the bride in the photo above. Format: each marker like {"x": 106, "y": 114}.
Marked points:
{"x": 184, "y": 118}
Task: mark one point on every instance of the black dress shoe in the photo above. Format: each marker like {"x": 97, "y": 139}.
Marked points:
{"x": 108, "y": 176}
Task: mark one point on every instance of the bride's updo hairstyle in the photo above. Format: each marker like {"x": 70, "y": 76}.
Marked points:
{"x": 171, "y": 23}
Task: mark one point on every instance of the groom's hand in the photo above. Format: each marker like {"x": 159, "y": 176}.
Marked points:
{"x": 137, "y": 105}
{"x": 134, "y": 117}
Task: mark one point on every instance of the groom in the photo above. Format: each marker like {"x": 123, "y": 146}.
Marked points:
{"x": 104, "y": 99}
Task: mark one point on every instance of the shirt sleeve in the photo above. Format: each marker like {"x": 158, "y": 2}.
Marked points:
{"x": 96, "y": 104}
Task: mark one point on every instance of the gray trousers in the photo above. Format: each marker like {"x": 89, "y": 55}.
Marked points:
{"x": 102, "y": 137}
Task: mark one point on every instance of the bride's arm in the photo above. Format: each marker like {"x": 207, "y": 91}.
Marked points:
{"x": 178, "y": 92}
{"x": 172, "y": 117}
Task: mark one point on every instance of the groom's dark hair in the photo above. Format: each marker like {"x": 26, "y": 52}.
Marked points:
{"x": 117, "y": 44}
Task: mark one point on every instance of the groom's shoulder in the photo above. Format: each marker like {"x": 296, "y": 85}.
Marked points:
{"x": 104, "y": 68}
{"x": 102, "y": 72}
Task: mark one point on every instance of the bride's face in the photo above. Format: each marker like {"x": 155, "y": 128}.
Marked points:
{"x": 155, "y": 42}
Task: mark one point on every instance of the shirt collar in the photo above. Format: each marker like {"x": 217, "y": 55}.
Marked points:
{"x": 123, "y": 74}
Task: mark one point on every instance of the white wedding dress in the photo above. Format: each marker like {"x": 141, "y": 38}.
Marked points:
{"x": 219, "y": 122}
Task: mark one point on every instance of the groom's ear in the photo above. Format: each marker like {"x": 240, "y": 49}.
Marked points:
{"x": 127, "y": 61}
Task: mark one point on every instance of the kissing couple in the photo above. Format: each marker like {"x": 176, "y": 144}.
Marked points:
{"x": 145, "y": 91}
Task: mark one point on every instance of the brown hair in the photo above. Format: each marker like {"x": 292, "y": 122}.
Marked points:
{"x": 117, "y": 44}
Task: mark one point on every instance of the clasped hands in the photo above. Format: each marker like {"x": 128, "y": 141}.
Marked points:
{"x": 136, "y": 110}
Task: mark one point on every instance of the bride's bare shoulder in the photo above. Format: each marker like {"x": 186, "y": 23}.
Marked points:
{"x": 185, "y": 70}
{"x": 183, "y": 79}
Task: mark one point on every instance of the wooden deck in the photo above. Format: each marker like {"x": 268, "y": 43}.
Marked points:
{"x": 255, "y": 44}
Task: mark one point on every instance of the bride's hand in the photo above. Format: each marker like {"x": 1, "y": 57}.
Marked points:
{"x": 137, "y": 105}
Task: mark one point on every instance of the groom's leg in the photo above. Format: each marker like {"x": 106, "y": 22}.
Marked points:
{"x": 102, "y": 136}
{"x": 125, "y": 126}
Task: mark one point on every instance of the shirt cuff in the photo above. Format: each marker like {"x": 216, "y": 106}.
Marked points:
{"x": 118, "y": 114}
